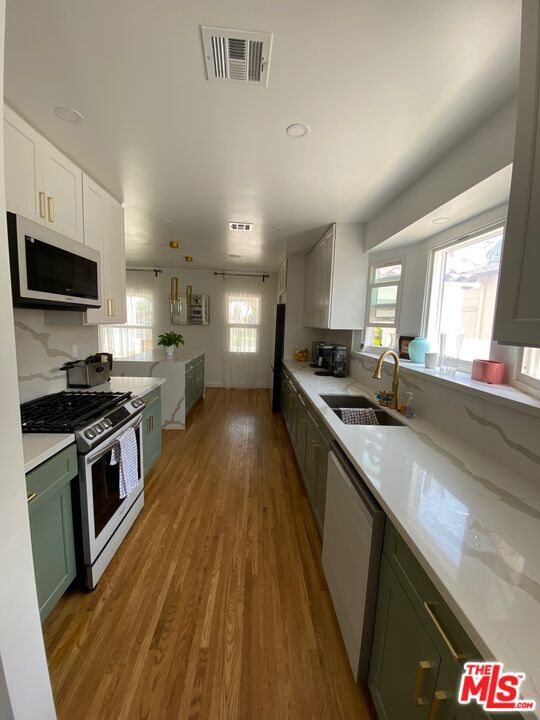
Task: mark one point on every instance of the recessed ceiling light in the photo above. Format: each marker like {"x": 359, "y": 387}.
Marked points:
{"x": 68, "y": 115}
{"x": 278, "y": 227}
{"x": 235, "y": 256}
{"x": 188, "y": 258}
{"x": 298, "y": 130}
{"x": 441, "y": 220}
{"x": 169, "y": 222}
{"x": 174, "y": 244}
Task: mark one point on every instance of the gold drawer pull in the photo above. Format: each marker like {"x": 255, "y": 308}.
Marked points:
{"x": 50, "y": 209}
{"x": 31, "y": 496}
{"x": 458, "y": 657}
{"x": 439, "y": 697}
{"x": 42, "y": 205}
{"x": 424, "y": 666}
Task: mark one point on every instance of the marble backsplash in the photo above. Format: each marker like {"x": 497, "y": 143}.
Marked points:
{"x": 43, "y": 348}
{"x": 504, "y": 434}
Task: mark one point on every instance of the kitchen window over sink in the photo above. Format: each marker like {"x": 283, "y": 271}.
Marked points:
{"x": 463, "y": 291}
{"x": 383, "y": 304}
{"x": 528, "y": 370}
{"x": 135, "y": 336}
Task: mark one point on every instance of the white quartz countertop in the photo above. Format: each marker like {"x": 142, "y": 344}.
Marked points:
{"x": 137, "y": 385}
{"x": 153, "y": 356}
{"x": 39, "y": 447}
{"x": 472, "y": 523}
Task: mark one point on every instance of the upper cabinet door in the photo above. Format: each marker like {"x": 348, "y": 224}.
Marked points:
{"x": 104, "y": 231}
{"x": 517, "y": 317}
{"x": 63, "y": 182}
{"x": 25, "y": 190}
{"x": 114, "y": 261}
{"x": 93, "y": 237}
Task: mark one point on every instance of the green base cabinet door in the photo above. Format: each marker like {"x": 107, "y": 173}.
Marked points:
{"x": 151, "y": 429}
{"x": 51, "y": 527}
{"x": 404, "y": 662}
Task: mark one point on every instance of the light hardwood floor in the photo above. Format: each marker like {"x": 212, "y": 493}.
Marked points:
{"x": 216, "y": 605}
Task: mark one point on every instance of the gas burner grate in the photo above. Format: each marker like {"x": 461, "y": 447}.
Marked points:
{"x": 64, "y": 412}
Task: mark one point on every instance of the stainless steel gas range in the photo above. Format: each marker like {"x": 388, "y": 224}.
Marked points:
{"x": 98, "y": 421}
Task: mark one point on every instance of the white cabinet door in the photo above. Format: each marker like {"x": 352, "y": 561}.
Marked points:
{"x": 114, "y": 261}
{"x": 309, "y": 289}
{"x": 517, "y": 317}
{"x": 104, "y": 232}
{"x": 63, "y": 183}
{"x": 327, "y": 259}
{"x": 93, "y": 237}
{"x": 25, "y": 191}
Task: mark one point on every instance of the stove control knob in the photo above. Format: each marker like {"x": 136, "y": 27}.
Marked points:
{"x": 137, "y": 402}
{"x": 90, "y": 434}
{"x": 107, "y": 423}
{"x": 98, "y": 428}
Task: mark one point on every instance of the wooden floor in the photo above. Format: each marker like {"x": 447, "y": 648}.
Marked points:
{"x": 215, "y": 606}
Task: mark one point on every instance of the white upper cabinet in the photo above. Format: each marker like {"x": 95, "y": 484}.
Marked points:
{"x": 336, "y": 279}
{"x": 63, "y": 183}
{"x": 42, "y": 184}
{"x": 104, "y": 232}
{"x": 23, "y": 161}
{"x": 517, "y": 316}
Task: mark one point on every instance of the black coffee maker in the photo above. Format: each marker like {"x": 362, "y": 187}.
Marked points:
{"x": 324, "y": 359}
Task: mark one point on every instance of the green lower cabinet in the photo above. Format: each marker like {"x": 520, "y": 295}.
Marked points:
{"x": 316, "y": 469}
{"x": 419, "y": 647}
{"x": 151, "y": 429}
{"x": 194, "y": 390}
{"x": 404, "y": 661}
{"x": 51, "y": 527}
{"x": 301, "y": 434}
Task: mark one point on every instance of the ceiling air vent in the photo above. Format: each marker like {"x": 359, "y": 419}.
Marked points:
{"x": 243, "y": 226}
{"x": 236, "y": 56}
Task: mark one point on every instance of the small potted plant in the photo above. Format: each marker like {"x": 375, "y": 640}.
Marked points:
{"x": 170, "y": 341}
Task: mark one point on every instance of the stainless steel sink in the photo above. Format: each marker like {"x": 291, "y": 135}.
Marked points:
{"x": 360, "y": 401}
{"x": 349, "y": 401}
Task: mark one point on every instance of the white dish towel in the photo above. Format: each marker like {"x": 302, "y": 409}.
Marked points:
{"x": 125, "y": 454}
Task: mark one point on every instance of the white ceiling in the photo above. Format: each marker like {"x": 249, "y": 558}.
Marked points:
{"x": 386, "y": 87}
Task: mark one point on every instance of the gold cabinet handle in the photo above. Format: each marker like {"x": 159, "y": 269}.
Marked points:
{"x": 113, "y": 312}
{"x": 439, "y": 697}
{"x": 314, "y": 451}
{"x": 31, "y": 496}
{"x": 458, "y": 657}
{"x": 424, "y": 666}
{"x": 50, "y": 209}
{"x": 110, "y": 307}
{"x": 42, "y": 205}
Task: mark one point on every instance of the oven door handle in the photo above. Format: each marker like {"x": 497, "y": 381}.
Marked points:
{"x": 91, "y": 459}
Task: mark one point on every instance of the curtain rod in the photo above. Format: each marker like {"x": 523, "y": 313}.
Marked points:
{"x": 263, "y": 276}
{"x": 156, "y": 271}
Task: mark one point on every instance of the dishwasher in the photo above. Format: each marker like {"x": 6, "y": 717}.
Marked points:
{"x": 351, "y": 554}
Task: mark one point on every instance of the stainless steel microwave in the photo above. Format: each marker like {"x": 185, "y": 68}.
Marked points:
{"x": 50, "y": 270}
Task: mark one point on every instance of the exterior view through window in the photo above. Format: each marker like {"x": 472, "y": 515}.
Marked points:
{"x": 530, "y": 367}
{"x": 243, "y": 316}
{"x": 383, "y": 304}
{"x": 463, "y": 294}
{"x": 135, "y": 336}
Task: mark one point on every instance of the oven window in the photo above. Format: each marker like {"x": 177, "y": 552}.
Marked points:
{"x": 106, "y": 487}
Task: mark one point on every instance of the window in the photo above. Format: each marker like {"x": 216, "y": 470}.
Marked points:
{"x": 384, "y": 295}
{"x": 529, "y": 367}
{"x": 463, "y": 292}
{"x": 243, "y": 318}
{"x": 136, "y": 335}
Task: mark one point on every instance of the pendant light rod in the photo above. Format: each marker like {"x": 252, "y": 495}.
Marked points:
{"x": 156, "y": 271}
